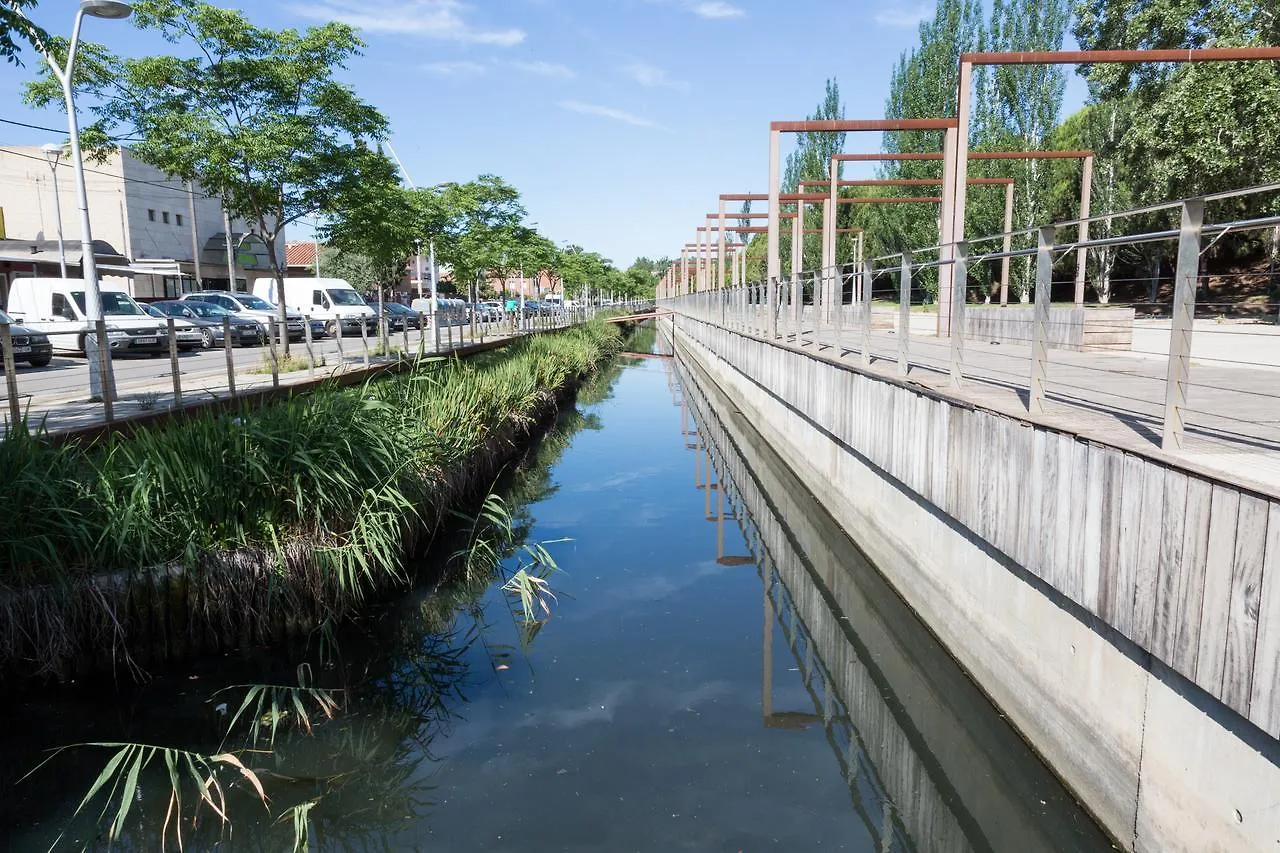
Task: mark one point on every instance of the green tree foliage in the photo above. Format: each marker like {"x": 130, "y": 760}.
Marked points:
{"x": 811, "y": 161}
{"x": 582, "y": 272}
{"x": 482, "y": 227}
{"x": 16, "y": 29}
{"x": 354, "y": 268}
{"x": 253, "y": 114}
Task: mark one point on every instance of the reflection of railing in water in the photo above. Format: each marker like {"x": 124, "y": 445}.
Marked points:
{"x": 890, "y": 785}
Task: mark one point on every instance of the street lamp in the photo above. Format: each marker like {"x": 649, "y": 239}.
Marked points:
{"x": 111, "y": 10}
{"x": 53, "y": 153}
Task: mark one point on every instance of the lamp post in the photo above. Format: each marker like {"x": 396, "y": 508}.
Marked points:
{"x": 53, "y": 153}
{"x": 111, "y": 10}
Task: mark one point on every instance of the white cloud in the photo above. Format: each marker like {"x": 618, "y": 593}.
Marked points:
{"x": 436, "y": 19}
{"x": 897, "y": 15}
{"x": 717, "y": 9}
{"x": 609, "y": 113}
{"x": 460, "y": 68}
{"x": 651, "y": 76}
{"x": 543, "y": 69}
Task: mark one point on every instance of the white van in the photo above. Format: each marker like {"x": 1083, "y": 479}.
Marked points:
{"x": 331, "y": 300}
{"x": 56, "y": 306}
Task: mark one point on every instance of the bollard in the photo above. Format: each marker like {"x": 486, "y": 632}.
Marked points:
{"x": 10, "y": 375}
{"x": 173, "y": 364}
{"x": 231, "y": 361}
{"x": 904, "y": 313}
{"x": 311, "y": 353}
{"x": 272, "y": 331}
{"x": 104, "y": 370}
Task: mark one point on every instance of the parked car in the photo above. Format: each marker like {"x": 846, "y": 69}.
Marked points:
{"x": 404, "y": 316}
{"x": 56, "y": 307}
{"x": 319, "y": 328}
{"x": 188, "y": 336}
{"x": 208, "y": 319}
{"x": 249, "y": 306}
{"x": 28, "y": 344}
{"x": 491, "y": 311}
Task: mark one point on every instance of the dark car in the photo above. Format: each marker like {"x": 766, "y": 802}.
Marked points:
{"x": 208, "y": 318}
{"x": 405, "y": 316}
{"x": 187, "y": 335}
{"x": 28, "y": 345}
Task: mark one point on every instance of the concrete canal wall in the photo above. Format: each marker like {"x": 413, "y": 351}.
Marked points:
{"x": 1125, "y": 614}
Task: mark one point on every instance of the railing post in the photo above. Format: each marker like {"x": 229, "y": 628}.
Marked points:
{"x": 10, "y": 375}
{"x": 337, "y": 339}
{"x": 173, "y": 363}
{"x": 959, "y": 286}
{"x": 364, "y": 341}
{"x": 1040, "y": 323}
{"x": 837, "y": 305}
{"x": 311, "y": 353}
{"x": 771, "y": 300}
{"x": 815, "y": 334}
{"x": 405, "y": 330}
{"x": 231, "y": 361}
{"x": 275, "y": 359}
{"x": 904, "y": 313}
{"x": 104, "y": 370}
{"x": 1184, "y": 312}
{"x": 868, "y": 276}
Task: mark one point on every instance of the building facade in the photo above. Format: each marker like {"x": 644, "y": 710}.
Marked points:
{"x": 169, "y": 236}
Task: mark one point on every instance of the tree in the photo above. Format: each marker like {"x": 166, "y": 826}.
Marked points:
{"x": 352, "y": 267}
{"x": 482, "y": 224}
{"x": 253, "y": 115}
{"x": 583, "y": 272}
{"x": 16, "y": 28}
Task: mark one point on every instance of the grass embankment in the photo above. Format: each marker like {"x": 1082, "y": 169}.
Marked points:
{"x": 241, "y": 527}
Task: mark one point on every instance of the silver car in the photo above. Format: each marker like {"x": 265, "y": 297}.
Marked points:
{"x": 247, "y": 305}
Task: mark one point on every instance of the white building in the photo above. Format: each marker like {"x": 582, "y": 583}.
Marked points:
{"x": 135, "y": 210}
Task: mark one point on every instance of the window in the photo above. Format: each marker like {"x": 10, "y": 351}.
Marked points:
{"x": 151, "y": 215}
{"x": 178, "y": 218}
{"x": 317, "y": 297}
{"x": 166, "y": 217}
{"x": 62, "y": 308}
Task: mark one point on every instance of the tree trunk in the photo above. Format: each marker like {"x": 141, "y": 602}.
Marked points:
{"x": 270, "y": 237}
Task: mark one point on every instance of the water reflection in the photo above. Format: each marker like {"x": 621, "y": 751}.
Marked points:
{"x": 929, "y": 763}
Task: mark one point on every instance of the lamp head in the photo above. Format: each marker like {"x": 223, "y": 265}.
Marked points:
{"x": 52, "y": 151}
{"x": 110, "y": 9}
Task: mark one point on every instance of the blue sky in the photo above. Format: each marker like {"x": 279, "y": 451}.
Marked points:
{"x": 620, "y": 121}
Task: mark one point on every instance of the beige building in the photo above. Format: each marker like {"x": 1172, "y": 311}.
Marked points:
{"x": 144, "y": 232}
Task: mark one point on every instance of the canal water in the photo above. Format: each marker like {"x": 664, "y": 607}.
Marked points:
{"x": 717, "y": 667}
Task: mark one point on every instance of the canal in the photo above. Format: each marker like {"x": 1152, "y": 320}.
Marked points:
{"x": 717, "y": 667}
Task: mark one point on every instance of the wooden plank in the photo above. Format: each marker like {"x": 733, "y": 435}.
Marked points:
{"x": 1091, "y": 542}
{"x": 1131, "y": 507}
{"x": 956, "y": 451}
{"x": 1195, "y": 555}
{"x": 1147, "y": 565}
{"x": 1048, "y": 564}
{"x": 1074, "y": 569}
{"x": 1246, "y": 589}
{"x": 1062, "y": 531}
{"x": 1032, "y": 538}
{"x": 1224, "y": 516}
{"x": 1264, "y": 701}
{"x": 1170, "y": 579}
{"x": 1017, "y": 516}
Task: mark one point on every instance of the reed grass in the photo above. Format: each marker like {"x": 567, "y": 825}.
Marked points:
{"x": 292, "y": 513}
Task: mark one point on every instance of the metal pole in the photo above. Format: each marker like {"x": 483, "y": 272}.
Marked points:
{"x": 104, "y": 368}
{"x": 173, "y": 364}
{"x": 1184, "y": 311}
{"x": 272, "y": 331}
{"x": 1040, "y": 325}
{"x": 904, "y": 313}
{"x": 57, "y": 213}
{"x": 435, "y": 298}
{"x": 417, "y": 257}
{"x": 961, "y": 277}
{"x": 1082, "y": 253}
{"x": 10, "y": 376}
{"x": 867, "y": 273}
{"x": 311, "y": 353}
{"x": 364, "y": 342}
{"x": 231, "y": 257}
{"x": 231, "y": 362}
{"x": 195, "y": 236}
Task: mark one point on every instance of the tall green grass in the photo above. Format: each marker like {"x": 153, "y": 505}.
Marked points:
{"x": 296, "y": 511}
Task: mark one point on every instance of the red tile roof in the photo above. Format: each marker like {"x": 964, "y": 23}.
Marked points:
{"x": 300, "y": 254}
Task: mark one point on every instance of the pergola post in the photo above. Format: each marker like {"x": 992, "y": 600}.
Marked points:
{"x": 797, "y": 264}
{"x": 774, "y": 266}
{"x": 946, "y": 234}
{"x": 1184, "y": 311}
{"x": 1082, "y": 253}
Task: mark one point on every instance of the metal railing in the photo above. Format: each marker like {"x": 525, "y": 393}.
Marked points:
{"x": 1191, "y": 385}
{"x": 46, "y": 376}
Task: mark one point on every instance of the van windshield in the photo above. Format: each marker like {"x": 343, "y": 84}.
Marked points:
{"x": 342, "y": 296}
{"x": 113, "y": 304}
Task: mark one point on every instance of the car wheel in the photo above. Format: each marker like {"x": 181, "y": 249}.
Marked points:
{"x": 330, "y": 328}
{"x": 41, "y": 361}
{"x": 206, "y": 338}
